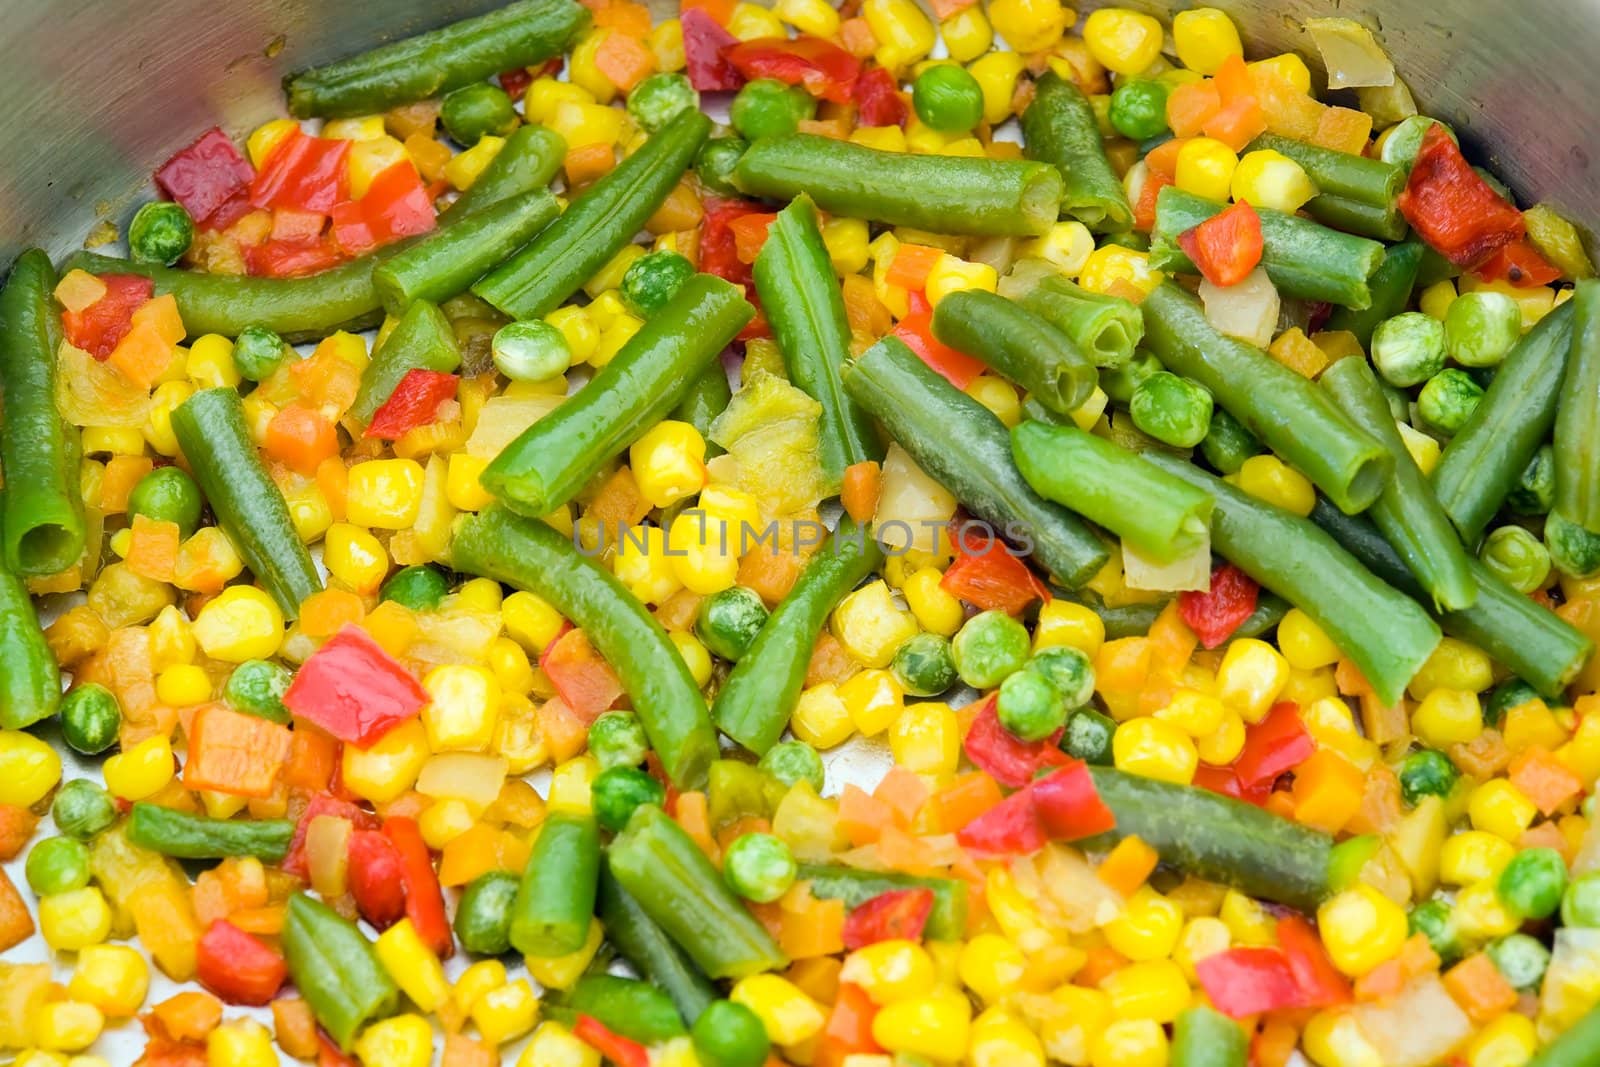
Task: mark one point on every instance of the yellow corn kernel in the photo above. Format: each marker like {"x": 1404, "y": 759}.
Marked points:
{"x": 694, "y": 654}
{"x": 387, "y": 767}
{"x": 992, "y": 967}
{"x": 309, "y": 512}
{"x": 74, "y": 920}
{"x": 750, "y": 22}
{"x": 133, "y": 774}
{"x": 997, "y": 75}
{"x": 1508, "y": 1041}
{"x": 413, "y": 966}
{"x": 1066, "y": 246}
{"x": 506, "y": 1013}
{"x": 1062, "y": 622}
{"x": 936, "y": 1025}
{"x": 399, "y": 1041}
{"x": 1110, "y": 264}
{"x": 1224, "y": 745}
{"x": 171, "y": 639}
{"x": 821, "y": 718}
{"x": 1436, "y": 299}
{"x": 1361, "y": 928}
{"x": 1202, "y": 936}
{"x": 1303, "y": 643}
{"x": 1288, "y": 66}
{"x": 384, "y": 494}
{"x": 461, "y": 486}
{"x": 563, "y": 972}
{"x": 1271, "y": 179}
{"x": 613, "y": 337}
{"x": 370, "y": 158}
{"x": 460, "y": 713}
{"x": 1447, "y": 717}
{"x": 582, "y": 124}
{"x": 66, "y": 1025}
{"x": 1154, "y": 989}
{"x": 579, "y": 329}
{"x": 1500, "y": 808}
{"x": 1250, "y": 678}
{"x": 475, "y": 981}
{"x": 1474, "y": 856}
{"x": 1334, "y": 1039}
{"x": 788, "y": 1014}
{"x": 30, "y": 768}
{"x": 1148, "y": 927}
{"x": 1155, "y": 749}
{"x": 883, "y": 138}
{"x": 570, "y": 784}
{"x": 356, "y": 128}
{"x": 1424, "y": 449}
{"x": 1266, "y": 477}
{"x": 157, "y": 428}
{"x": 998, "y": 395}
{"x": 904, "y": 34}
{"x": 585, "y": 72}
{"x": 1247, "y": 921}
{"x": 1328, "y": 720}
{"x": 210, "y": 362}
{"x": 815, "y": 17}
{"x": 258, "y": 415}
{"x": 1130, "y": 1043}
{"x": 871, "y": 626}
{"x": 553, "y": 1045}
{"x": 641, "y": 563}
{"x": 873, "y": 699}
{"x": 846, "y": 241}
{"x": 112, "y": 440}
{"x": 510, "y": 666}
{"x": 264, "y": 138}
{"x": 666, "y": 44}
{"x": 967, "y": 34}
{"x": 1123, "y": 41}
{"x": 1029, "y": 25}
{"x": 114, "y": 978}
{"x": 608, "y": 279}
{"x": 354, "y": 557}
{"x": 1205, "y": 167}
{"x": 952, "y": 274}
{"x": 183, "y": 684}
{"x": 1000, "y": 1039}
{"x": 1205, "y": 38}
{"x": 1454, "y": 664}
{"x": 445, "y": 820}
{"x": 240, "y": 1043}
{"x": 926, "y": 738}
{"x": 545, "y": 93}
{"x": 530, "y": 621}
{"x": 934, "y": 609}
{"x": 703, "y": 551}
{"x": 1195, "y": 713}
{"x": 464, "y": 167}
{"x": 1480, "y": 914}
{"x": 669, "y": 462}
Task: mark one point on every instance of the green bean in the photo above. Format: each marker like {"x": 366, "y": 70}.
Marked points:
{"x": 707, "y": 398}
{"x": 1217, "y": 838}
{"x": 944, "y": 194}
{"x": 555, "y": 902}
{"x": 552, "y": 460}
{"x": 651, "y": 952}
{"x": 1530, "y": 641}
{"x": 195, "y": 837}
{"x": 1577, "y": 1046}
{"x": 422, "y": 340}
{"x": 483, "y": 916}
{"x": 1363, "y": 220}
{"x": 1406, "y": 511}
{"x": 1384, "y": 632}
{"x": 1019, "y": 344}
{"x": 249, "y": 506}
{"x": 335, "y": 969}
{"x": 521, "y": 34}
{"x": 1287, "y": 411}
{"x": 43, "y": 507}
{"x": 1105, "y": 328}
{"x": 961, "y": 444}
{"x": 946, "y": 922}
{"x": 1577, "y": 428}
{"x": 661, "y": 867}
{"x": 1162, "y": 516}
{"x": 1343, "y": 174}
{"x": 629, "y": 1007}
{"x": 30, "y": 684}
{"x": 1302, "y": 258}
{"x": 449, "y": 260}
{"x": 803, "y": 302}
{"x": 530, "y": 555}
{"x": 1204, "y": 1037}
{"x": 596, "y": 225}
{"x": 528, "y": 161}
{"x": 754, "y": 704}
{"x": 1059, "y": 128}
{"x": 1391, "y": 286}
{"x": 1483, "y": 462}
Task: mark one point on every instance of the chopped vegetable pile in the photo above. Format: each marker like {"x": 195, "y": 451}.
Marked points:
{"x": 1194, "y": 485}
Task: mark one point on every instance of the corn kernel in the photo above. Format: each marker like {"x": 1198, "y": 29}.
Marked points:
{"x": 1500, "y": 808}
{"x": 952, "y": 274}
{"x": 669, "y": 462}
{"x": 1474, "y": 856}
{"x": 183, "y": 684}
{"x": 926, "y": 739}
{"x": 114, "y": 978}
{"x": 1155, "y": 989}
{"x": 530, "y": 621}
{"x": 695, "y": 656}
{"x": 1205, "y": 38}
{"x": 1361, "y": 928}
{"x": 1288, "y": 66}
{"x": 1066, "y": 246}
{"x": 1224, "y": 745}
{"x": 1195, "y": 713}
{"x": 1335, "y": 1039}
{"x": 1000, "y": 1039}
{"x": 1130, "y": 1043}
{"x": 808, "y": 16}
{"x": 1303, "y": 643}
{"x": 309, "y": 512}
{"x": 1202, "y": 936}
{"x": 998, "y": 396}
{"x": 997, "y": 75}
{"x": 506, "y": 1013}
{"x": 579, "y": 329}
{"x": 462, "y": 487}
{"x": 66, "y": 1025}
{"x": 1480, "y": 914}
{"x": 389, "y": 766}
{"x": 846, "y": 241}
{"x": 74, "y": 920}
{"x": 936, "y": 1025}
{"x": 904, "y": 34}
{"x": 871, "y": 625}
{"x": 1110, "y": 264}
{"x": 138, "y": 772}
{"x": 703, "y": 551}
{"x": 398, "y": 1041}
{"x": 1508, "y": 1041}
{"x": 240, "y": 1043}
{"x": 1029, "y": 25}
{"x": 1250, "y": 678}
{"x": 873, "y": 699}
{"x": 787, "y": 1013}
{"x": 883, "y": 138}
{"x": 750, "y": 22}
{"x": 1148, "y": 927}
{"x": 967, "y": 34}
{"x": 355, "y": 557}
{"x": 553, "y": 1045}
{"x": 464, "y": 167}
{"x": 1266, "y": 477}
{"x": 1248, "y": 922}
{"x": 1205, "y": 167}
{"x": 29, "y": 768}
{"x": 992, "y": 967}
{"x": 1268, "y": 179}
{"x": 112, "y": 440}
{"x": 1447, "y": 717}
{"x": 935, "y": 609}
{"x": 264, "y": 138}
{"x": 1454, "y": 664}
{"x": 384, "y": 494}
{"x": 1155, "y": 749}
{"x": 1436, "y": 299}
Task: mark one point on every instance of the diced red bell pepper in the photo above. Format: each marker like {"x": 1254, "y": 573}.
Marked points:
{"x": 719, "y": 246}
{"x": 98, "y": 328}
{"x": 1010, "y": 762}
{"x": 1274, "y": 745}
{"x": 515, "y": 82}
{"x": 750, "y": 233}
{"x": 354, "y": 690}
{"x": 424, "y": 897}
{"x": 238, "y": 967}
{"x": 1010, "y": 828}
{"x": 206, "y": 175}
{"x": 820, "y": 67}
{"x": 1452, "y": 208}
{"x": 988, "y": 575}
{"x": 1216, "y": 613}
{"x": 580, "y": 676}
{"x": 1520, "y": 264}
{"x": 303, "y": 172}
{"x": 1248, "y": 980}
{"x": 613, "y": 1046}
{"x": 376, "y": 876}
{"x": 703, "y": 44}
{"x": 294, "y": 861}
{"x": 879, "y": 101}
{"x": 1223, "y": 780}
{"x": 916, "y": 331}
{"x": 396, "y": 205}
{"x": 414, "y": 402}
{"x": 292, "y": 258}
{"x": 895, "y": 915}
{"x": 1069, "y": 806}
{"x": 1321, "y": 983}
{"x": 848, "y": 1031}
{"x": 1227, "y": 246}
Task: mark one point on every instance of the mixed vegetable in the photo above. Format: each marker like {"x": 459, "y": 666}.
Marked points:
{"x": 1190, "y": 483}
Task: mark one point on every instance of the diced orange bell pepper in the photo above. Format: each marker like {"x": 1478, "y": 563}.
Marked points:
{"x": 964, "y": 799}
{"x": 587, "y": 162}
{"x": 912, "y": 264}
{"x": 122, "y": 473}
{"x": 189, "y": 1016}
{"x": 1479, "y": 988}
{"x": 1327, "y": 791}
{"x": 1239, "y": 122}
{"x": 1190, "y": 106}
{"x": 862, "y": 817}
{"x": 301, "y": 438}
{"x": 1128, "y": 865}
{"x": 325, "y": 613}
{"x": 16, "y": 828}
{"x": 1544, "y": 779}
{"x": 1123, "y": 664}
{"x": 624, "y": 59}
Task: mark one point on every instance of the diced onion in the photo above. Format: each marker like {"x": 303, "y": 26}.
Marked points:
{"x": 1192, "y": 570}
{"x": 503, "y": 419}
{"x": 1247, "y": 311}
{"x": 1417, "y": 1027}
{"x": 910, "y": 497}
{"x": 1351, "y": 54}
{"x": 473, "y": 778}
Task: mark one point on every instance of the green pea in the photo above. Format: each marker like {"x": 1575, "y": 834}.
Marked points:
{"x": 90, "y": 718}
{"x": 57, "y": 865}
{"x": 1580, "y": 904}
{"x": 767, "y": 107}
{"x": 1531, "y": 885}
{"x": 923, "y": 665}
{"x": 1029, "y": 707}
{"x": 653, "y": 280}
{"x": 793, "y": 761}
{"x": 530, "y": 350}
{"x": 616, "y": 739}
{"x": 1227, "y": 444}
{"x": 1481, "y": 327}
{"x": 1408, "y": 349}
{"x": 475, "y": 111}
{"x": 1427, "y": 773}
{"x": 1573, "y": 550}
{"x": 1139, "y": 109}
{"x": 161, "y": 232}
{"x": 1069, "y": 670}
{"x": 989, "y": 647}
{"x": 948, "y": 98}
{"x": 1173, "y": 410}
{"x": 1435, "y": 920}
{"x": 1120, "y": 382}
{"x": 729, "y": 620}
{"x": 1447, "y": 400}
{"x": 421, "y": 587}
{"x": 1521, "y": 959}
{"x": 618, "y": 791}
{"x": 1535, "y": 491}
{"x": 1405, "y": 140}
{"x": 714, "y": 165}
{"x": 168, "y": 494}
{"x": 759, "y": 867}
{"x": 1088, "y": 736}
{"x": 1507, "y": 695}
{"x": 256, "y": 687}
{"x": 1517, "y": 557}
{"x": 82, "y": 809}
{"x": 257, "y": 352}
{"x": 729, "y": 1035}
{"x": 656, "y": 100}
{"x": 483, "y": 918}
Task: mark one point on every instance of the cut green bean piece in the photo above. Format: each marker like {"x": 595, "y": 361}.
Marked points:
{"x": 1359, "y": 178}
{"x": 1105, "y": 328}
{"x": 555, "y": 902}
{"x": 421, "y": 340}
{"x": 30, "y": 685}
{"x": 449, "y": 261}
{"x": 1577, "y": 428}
{"x": 1391, "y": 285}
{"x": 652, "y": 953}
{"x": 529, "y": 160}
{"x": 1059, "y": 128}
{"x": 1364, "y": 220}
{"x": 1019, "y": 344}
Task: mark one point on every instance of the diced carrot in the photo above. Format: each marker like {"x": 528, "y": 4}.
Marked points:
{"x": 1190, "y": 106}
{"x": 964, "y": 799}
{"x": 294, "y": 1027}
{"x": 1122, "y": 287}
{"x": 627, "y": 18}
{"x": 619, "y": 502}
{"x": 234, "y": 753}
{"x": 1233, "y": 80}
{"x": 16, "y": 922}
{"x": 719, "y": 10}
{"x": 16, "y": 828}
{"x": 750, "y": 234}
{"x": 1172, "y": 642}
{"x": 327, "y": 378}
{"x": 862, "y": 483}
{"x": 809, "y": 928}
{"x": 428, "y": 154}
{"x": 301, "y": 438}
{"x": 1238, "y": 123}
{"x": 1479, "y": 988}
{"x": 467, "y": 855}
{"x": 694, "y": 815}
{"x": 1544, "y": 779}
{"x": 1128, "y": 865}
{"x": 583, "y": 678}
{"x": 830, "y": 662}
{"x": 161, "y": 313}
{"x": 1123, "y": 664}
{"x": 333, "y": 478}
{"x": 1144, "y": 209}
{"x": 1288, "y": 111}
{"x": 153, "y": 548}
{"x": 623, "y": 58}
{"x": 142, "y": 355}
{"x": 1327, "y": 791}
{"x": 770, "y": 570}
{"x": 564, "y": 731}
{"x": 1343, "y": 129}
{"x": 1163, "y": 158}
{"x": 904, "y": 793}
{"x": 122, "y": 473}
{"x": 325, "y": 613}
{"x": 189, "y": 1016}
{"x": 862, "y": 817}
{"x": 1274, "y": 1043}
{"x": 911, "y": 265}
{"x": 587, "y": 162}
{"x": 313, "y": 757}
